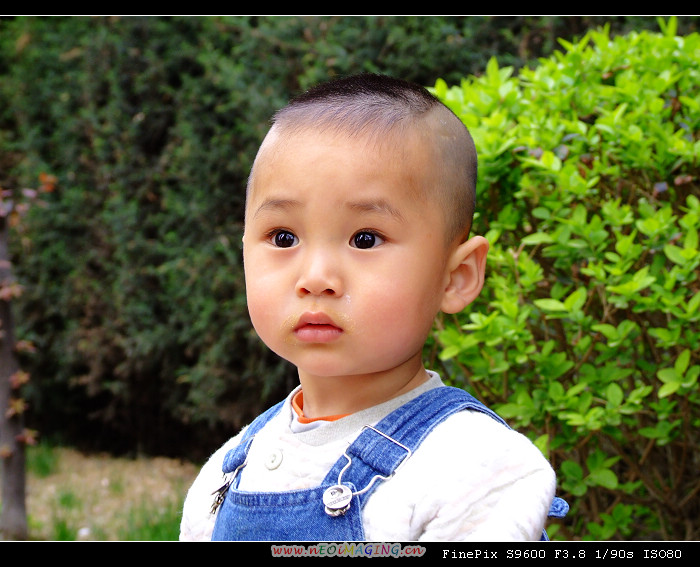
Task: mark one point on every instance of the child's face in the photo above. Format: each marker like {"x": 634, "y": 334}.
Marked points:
{"x": 345, "y": 263}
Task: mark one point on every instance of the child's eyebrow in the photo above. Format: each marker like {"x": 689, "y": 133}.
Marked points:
{"x": 277, "y": 205}
{"x": 380, "y": 206}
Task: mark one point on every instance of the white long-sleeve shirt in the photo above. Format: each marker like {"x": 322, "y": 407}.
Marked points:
{"x": 471, "y": 479}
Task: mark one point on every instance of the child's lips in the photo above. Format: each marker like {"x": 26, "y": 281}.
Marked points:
{"x": 316, "y": 328}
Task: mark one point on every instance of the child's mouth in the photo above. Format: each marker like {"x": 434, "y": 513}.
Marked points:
{"x": 316, "y": 328}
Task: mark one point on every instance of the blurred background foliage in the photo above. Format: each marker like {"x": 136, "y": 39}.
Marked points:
{"x": 131, "y": 268}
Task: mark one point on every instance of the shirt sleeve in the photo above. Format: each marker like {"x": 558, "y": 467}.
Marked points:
{"x": 491, "y": 484}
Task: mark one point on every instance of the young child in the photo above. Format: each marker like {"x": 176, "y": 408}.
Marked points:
{"x": 358, "y": 214}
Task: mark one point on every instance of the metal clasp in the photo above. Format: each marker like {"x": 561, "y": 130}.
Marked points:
{"x": 340, "y": 496}
{"x": 220, "y": 493}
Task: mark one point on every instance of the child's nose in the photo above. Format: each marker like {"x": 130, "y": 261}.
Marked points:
{"x": 320, "y": 275}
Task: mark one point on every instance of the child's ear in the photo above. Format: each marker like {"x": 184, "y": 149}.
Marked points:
{"x": 467, "y": 266}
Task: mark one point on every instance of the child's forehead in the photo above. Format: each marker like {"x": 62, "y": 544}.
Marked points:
{"x": 378, "y": 170}
{"x": 387, "y": 148}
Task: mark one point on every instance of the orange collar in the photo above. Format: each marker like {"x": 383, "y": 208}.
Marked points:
{"x": 298, "y": 407}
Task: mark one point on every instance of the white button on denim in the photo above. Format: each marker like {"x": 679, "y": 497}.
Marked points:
{"x": 274, "y": 459}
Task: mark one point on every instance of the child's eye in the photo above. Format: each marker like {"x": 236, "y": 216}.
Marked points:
{"x": 284, "y": 239}
{"x": 366, "y": 239}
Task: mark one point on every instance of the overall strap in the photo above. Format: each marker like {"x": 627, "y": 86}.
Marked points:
{"x": 237, "y": 456}
{"x": 378, "y": 451}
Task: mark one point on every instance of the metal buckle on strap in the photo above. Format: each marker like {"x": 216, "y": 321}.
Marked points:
{"x": 338, "y": 497}
{"x": 220, "y": 493}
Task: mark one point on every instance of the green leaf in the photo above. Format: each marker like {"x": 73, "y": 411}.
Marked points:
{"x": 614, "y": 394}
{"x": 693, "y": 304}
{"x": 669, "y": 388}
{"x": 608, "y": 331}
{"x": 675, "y": 254}
{"x": 604, "y": 477}
{"x": 638, "y": 282}
{"x": 572, "y": 469}
{"x": 576, "y": 300}
{"x": 542, "y": 443}
{"x": 667, "y": 375}
{"x": 681, "y": 364}
{"x": 550, "y": 304}
{"x": 537, "y": 238}
{"x": 691, "y": 377}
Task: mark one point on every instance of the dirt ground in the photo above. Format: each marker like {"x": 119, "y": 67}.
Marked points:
{"x": 97, "y": 494}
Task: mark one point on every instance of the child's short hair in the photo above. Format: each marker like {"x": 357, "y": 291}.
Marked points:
{"x": 379, "y": 106}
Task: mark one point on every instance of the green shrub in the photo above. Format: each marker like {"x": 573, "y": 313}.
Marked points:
{"x": 586, "y": 334}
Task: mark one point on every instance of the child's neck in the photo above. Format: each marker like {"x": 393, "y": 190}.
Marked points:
{"x": 342, "y": 395}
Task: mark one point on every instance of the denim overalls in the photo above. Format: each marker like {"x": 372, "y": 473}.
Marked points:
{"x": 333, "y": 510}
